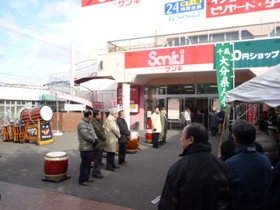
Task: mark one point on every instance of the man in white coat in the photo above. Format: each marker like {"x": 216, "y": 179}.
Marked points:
{"x": 156, "y": 126}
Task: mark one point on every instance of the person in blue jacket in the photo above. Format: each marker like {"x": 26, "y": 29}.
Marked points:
{"x": 249, "y": 169}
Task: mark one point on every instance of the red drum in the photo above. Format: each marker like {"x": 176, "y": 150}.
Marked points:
{"x": 56, "y": 165}
{"x": 149, "y": 135}
{"x": 132, "y": 146}
{"x": 44, "y": 113}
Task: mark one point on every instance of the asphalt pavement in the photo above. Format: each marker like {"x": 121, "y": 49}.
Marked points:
{"x": 133, "y": 186}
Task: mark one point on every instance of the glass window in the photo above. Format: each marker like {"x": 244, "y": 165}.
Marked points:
{"x": 192, "y": 40}
{"x": 232, "y": 36}
{"x": 176, "y": 42}
{"x": 174, "y": 89}
{"x": 218, "y": 37}
{"x": 211, "y": 88}
{"x": 188, "y": 89}
{"x": 246, "y": 35}
{"x": 203, "y": 39}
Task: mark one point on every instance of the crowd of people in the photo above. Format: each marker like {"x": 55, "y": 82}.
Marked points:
{"x": 94, "y": 138}
{"x": 241, "y": 179}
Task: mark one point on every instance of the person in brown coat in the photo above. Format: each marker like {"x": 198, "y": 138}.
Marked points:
{"x": 112, "y": 133}
{"x": 98, "y": 150}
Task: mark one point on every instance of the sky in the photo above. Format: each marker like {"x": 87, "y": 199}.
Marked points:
{"x": 35, "y": 39}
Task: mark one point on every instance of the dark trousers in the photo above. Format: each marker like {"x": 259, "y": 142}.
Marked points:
{"x": 110, "y": 160}
{"x": 85, "y": 165}
{"x": 164, "y": 136}
{"x": 155, "y": 139}
{"x": 97, "y": 162}
{"x": 214, "y": 131}
{"x": 122, "y": 152}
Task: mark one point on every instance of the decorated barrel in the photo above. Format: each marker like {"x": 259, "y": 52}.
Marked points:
{"x": 43, "y": 113}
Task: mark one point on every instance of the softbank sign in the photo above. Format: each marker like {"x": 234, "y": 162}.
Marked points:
{"x": 190, "y": 55}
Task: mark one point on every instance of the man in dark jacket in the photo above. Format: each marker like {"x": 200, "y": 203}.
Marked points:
{"x": 98, "y": 150}
{"x": 272, "y": 193}
{"x": 87, "y": 138}
{"x": 213, "y": 121}
{"x": 200, "y": 180}
{"x": 228, "y": 146}
{"x": 124, "y": 137}
{"x": 249, "y": 169}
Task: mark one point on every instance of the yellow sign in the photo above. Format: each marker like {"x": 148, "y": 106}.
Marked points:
{"x": 190, "y": 3}
{"x": 132, "y": 106}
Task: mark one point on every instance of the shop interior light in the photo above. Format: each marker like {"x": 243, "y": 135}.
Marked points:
{"x": 213, "y": 85}
{"x": 188, "y": 86}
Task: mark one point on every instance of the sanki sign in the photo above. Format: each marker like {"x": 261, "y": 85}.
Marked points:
{"x": 169, "y": 59}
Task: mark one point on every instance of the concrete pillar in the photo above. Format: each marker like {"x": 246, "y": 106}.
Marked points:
{"x": 126, "y": 102}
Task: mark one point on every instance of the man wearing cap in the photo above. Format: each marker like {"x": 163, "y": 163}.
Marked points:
{"x": 164, "y": 125}
{"x": 112, "y": 133}
{"x": 156, "y": 126}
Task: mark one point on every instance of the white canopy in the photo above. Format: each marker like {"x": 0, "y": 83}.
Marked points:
{"x": 264, "y": 88}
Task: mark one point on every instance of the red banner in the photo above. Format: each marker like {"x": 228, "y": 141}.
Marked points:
{"x": 86, "y": 3}
{"x": 217, "y": 8}
{"x": 134, "y": 98}
{"x": 251, "y": 114}
{"x": 170, "y": 56}
{"x": 98, "y": 105}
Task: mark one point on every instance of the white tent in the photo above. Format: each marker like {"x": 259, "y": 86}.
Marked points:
{"x": 264, "y": 88}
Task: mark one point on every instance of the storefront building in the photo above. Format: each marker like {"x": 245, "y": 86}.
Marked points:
{"x": 166, "y": 53}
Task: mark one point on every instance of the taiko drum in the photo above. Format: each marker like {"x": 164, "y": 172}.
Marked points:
{"x": 43, "y": 113}
{"x": 132, "y": 146}
{"x": 149, "y": 135}
{"x": 56, "y": 165}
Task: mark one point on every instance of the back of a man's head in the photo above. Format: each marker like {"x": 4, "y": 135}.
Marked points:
{"x": 262, "y": 124}
{"x": 198, "y": 132}
{"x": 245, "y": 133}
{"x": 87, "y": 113}
{"x": 236, "y": 122}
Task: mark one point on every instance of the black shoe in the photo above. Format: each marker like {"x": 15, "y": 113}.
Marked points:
{"x": 155, "y": 147}
{"x": 98, "y": 176}
{"x": 116, "y": 166}
{"x": 110, "y": 169}
{"x": 90, "y": 180}
{"x": 102, "y": 164}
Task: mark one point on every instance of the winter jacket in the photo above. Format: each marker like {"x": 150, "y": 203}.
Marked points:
{"x": 250, "y": 171}
{"x": 98, "y": 128}
{"x": 228, "y": 149}
{"x": 123, "y": 130}
{"x": 198, "y": 181}
{"x": 273, "y": 122}
{"x": 86, "y": 135}
{"x": 112, "y": 132}
{"x": 156, "y": 123}
{"x": 213, "y": 119}
{"x": 269, "y": 145}
{"x": 272, "y": 193}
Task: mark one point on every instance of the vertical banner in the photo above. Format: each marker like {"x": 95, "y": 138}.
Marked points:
{"x": 251, "y": 112}
{"x": 223, "y": 63}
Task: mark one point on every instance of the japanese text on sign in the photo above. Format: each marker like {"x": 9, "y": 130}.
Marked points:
{"x": 126, "y": 3}
{"x": 216, "y": 8}
{"x": 183, "y": 6}
{"x": 238, "y": 55}
{"x": 224, "y": 65}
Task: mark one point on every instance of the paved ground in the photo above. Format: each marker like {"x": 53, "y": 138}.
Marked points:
{"x": 130, "y": 187}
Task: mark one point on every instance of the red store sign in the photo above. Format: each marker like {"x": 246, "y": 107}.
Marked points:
{"x": 134, "y": 98}
{"x": 189, "y": 55}
{"x": 217, "y": 8}
{"x": 94, "y": 2}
